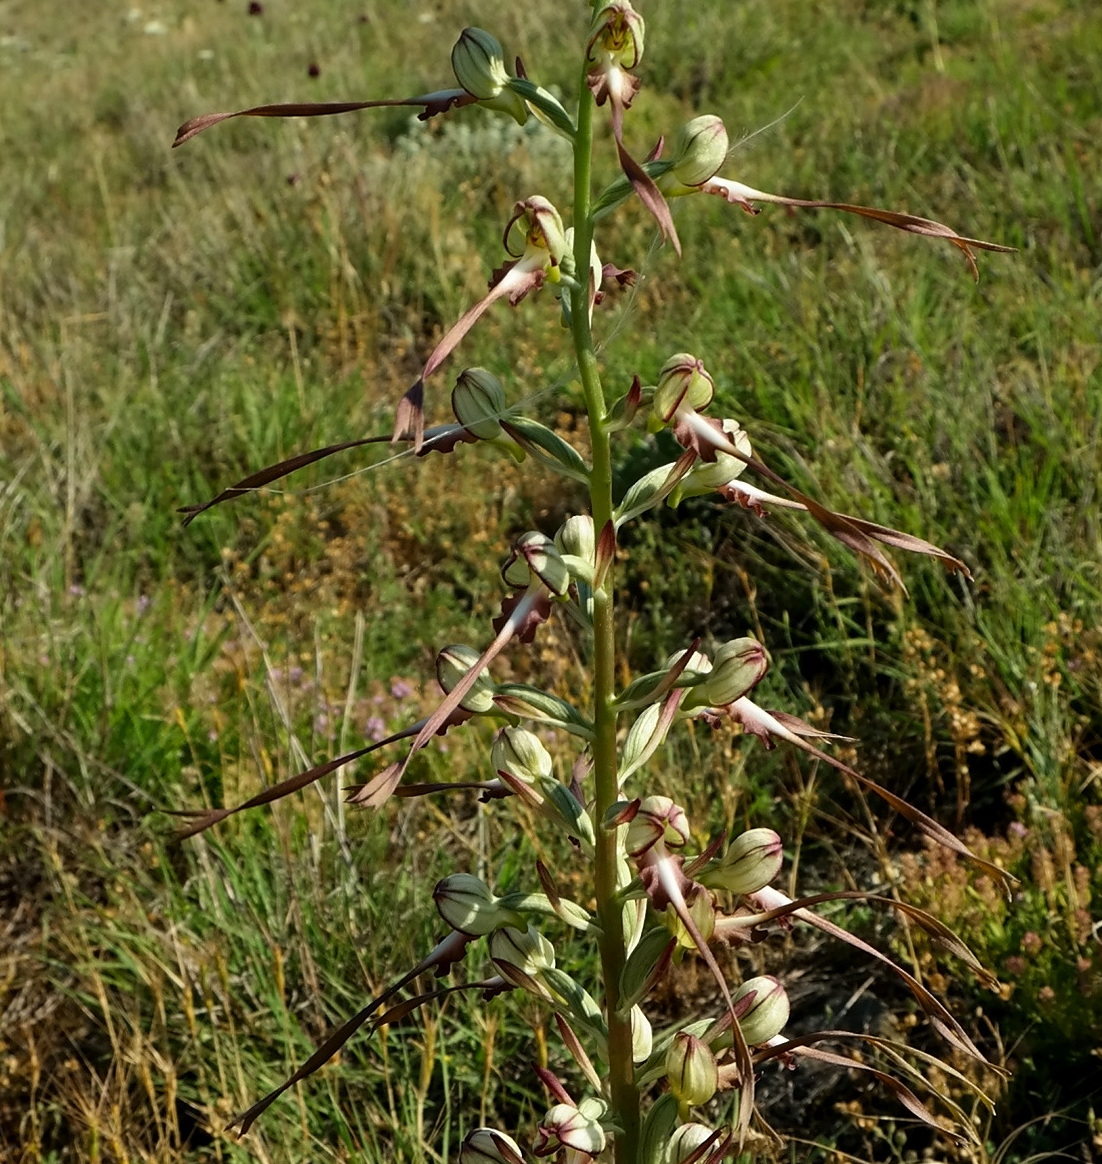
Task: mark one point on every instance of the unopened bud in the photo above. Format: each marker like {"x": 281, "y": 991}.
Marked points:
{"x": 466, "y": 903}
{"x": 521, "y": 956}
{"x": 658, "y": 819}
{"x": 478, "y": 61}
{"x": 521, "y": 754}
{"x": 576, "y": 537}
{"x": 489, "y": 1146}
{"x": 699, "y": 151}
{"x": 685, "y": 1141}
{"x": 683, "y": 383}
{"x": 767, "y": 1012}
{"x": 738, "y": 665}
{"x": 478, "y": 401}
{"x": 535, "y": 555}
{"x": 752, "y": 860}
{"x": 691, "y": 1069}
{"x": 452, "y": 664}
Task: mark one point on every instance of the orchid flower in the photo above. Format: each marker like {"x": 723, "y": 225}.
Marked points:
{"x": 655, "y": 826}
{"x": 702, "y": 148}
{"x": 615, "y": 47}
{"x": 536, "y": 239}
{"x": 707, "y": 440}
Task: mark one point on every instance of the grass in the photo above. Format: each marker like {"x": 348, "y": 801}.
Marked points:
{"x": 170, "y": 320}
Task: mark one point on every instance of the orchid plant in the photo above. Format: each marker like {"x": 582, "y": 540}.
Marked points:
{"x": 656, "y": 892}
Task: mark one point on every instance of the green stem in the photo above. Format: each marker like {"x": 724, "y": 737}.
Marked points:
{"x": 624, "y": 1094}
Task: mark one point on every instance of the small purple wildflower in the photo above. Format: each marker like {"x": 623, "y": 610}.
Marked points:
{"x": 401, "y": 689}
{"x": 375, "y": 728}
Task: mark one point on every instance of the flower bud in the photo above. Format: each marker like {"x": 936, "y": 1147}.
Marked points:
{"x": 657, "y": 819}
{"x": 478, "y": 61}
{"x": 521, "y": 956}
{"x": 536, "y": 554}
{"x": 767, "y": 1012}
{"x": 573, "y": 1127}
{"x": 466, "y": 903}
{"x": 704, "y": 477}
{"x": 738, "y": 665}
{"x": 685, "y": 1141}
{"x": 521, "y": 754}
{"x": 752, "y": 860}
{"x": 698, "y": 152}
{"x": 576, "y": 537}
{"x": 691, "y": 1069}
{"x": 478, "y": 401}
{"x": 452, "y": 664}
{"x": 489, "y": 1146}
{"x": 683, "y": 383}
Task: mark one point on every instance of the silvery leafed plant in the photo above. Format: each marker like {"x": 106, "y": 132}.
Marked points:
{"x": 655, "y": 890}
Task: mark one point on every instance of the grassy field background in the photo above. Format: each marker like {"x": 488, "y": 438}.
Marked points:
{"x": 169, "y": 321}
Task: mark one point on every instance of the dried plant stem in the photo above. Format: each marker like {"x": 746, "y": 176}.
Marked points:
{"x": 624, "y": 1094}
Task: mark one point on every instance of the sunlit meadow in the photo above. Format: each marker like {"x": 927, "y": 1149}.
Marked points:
{"x": 169, "y": 321}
